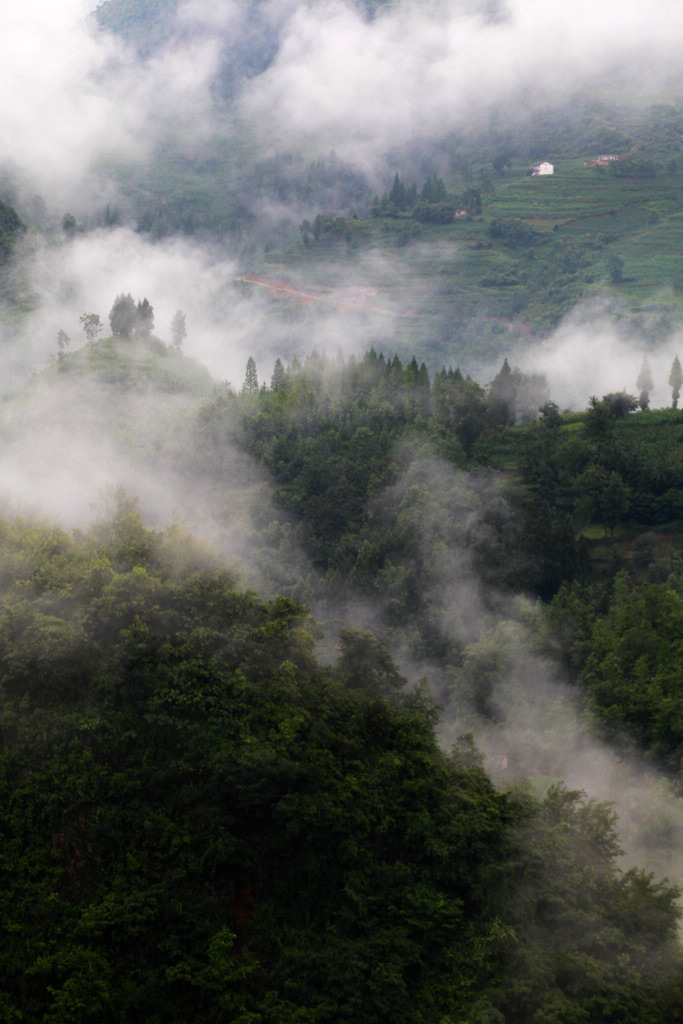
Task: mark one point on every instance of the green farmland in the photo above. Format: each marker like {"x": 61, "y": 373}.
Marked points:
{"x": 540, "y": 246}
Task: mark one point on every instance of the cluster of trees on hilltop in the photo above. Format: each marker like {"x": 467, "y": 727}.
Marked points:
{"x": 201, "y": 822}
{"x": 127, "y": 320}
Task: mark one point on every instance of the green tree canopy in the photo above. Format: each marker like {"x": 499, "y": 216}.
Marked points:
{"x": 144, "y": 320}
{"x": 123, "y": 316}
{"x": 92, "y": 326}
{"x": 250, "y": 386}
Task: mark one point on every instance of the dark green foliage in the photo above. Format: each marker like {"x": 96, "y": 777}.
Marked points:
{"x": 123, "y": 316}
{"x": 502, "y": 395}
{"x": 602, "y": 496}
{"x": 334, "y": 437}
{"x": 568, "y": 909}
{"x": 598, "y": 419}
{"x": 460, "y": 409}
{"x": 434, "y": 213}
{"x": 620, "y": 403}
{"x": 512, "y": 232}
{"x": 471, "y": 201}
{"x": 10, "y": 225}
{"x": 628, "y": 655}
{"x": 200, "y": 823}
{"x": 633, "y": 167}
{"x": 365, "y": 664}
{"x": 200, "y": 819}
{"x": 621, "y": 469}
{"x": 549, "y": 540}
{"x": 144, "y": 321}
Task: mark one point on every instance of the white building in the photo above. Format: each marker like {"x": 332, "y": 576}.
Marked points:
{"x": 543, "y": 168}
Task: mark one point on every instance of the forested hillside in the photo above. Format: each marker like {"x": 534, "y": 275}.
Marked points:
{"x": 341, "y": 508}
{"x": 396, "y": 485}
{"x": 202, "y": 821}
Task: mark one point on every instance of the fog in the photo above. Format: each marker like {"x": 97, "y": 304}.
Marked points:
{"x": 426, "y": 69}
{"x": 74, "y": 97}
{"x": 78, "y": 102}
{"x": 531, "y": 724}
{"x": 593, "y": 353}
{"x": 321, "y": 75}
{"x": 228, "y": 318}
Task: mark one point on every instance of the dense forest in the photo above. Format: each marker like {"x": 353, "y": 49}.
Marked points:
{"x": 340, "y": 640}
{"x": 206, "y": 820}
{"x": 579, "y": 510}
{"x": 203, "y": 821}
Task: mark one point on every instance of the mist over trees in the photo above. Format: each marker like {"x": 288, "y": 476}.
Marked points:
{"x": 349, "y": 692}
{"x": 92, "y": 325}
{"x": 129, "y": 320}
{"x": 178, "y": 329}
{"x": 199, "y": 778}
{"x": 10, "y": 226}
{"x": 232, "y": 811}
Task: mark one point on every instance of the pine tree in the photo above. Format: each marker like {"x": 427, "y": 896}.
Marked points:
{"x": 178, "y": 330}
{"x": 645, "y": 384}
{"x": 250, "y": 386}
{"x": 123, "y": 316}
{"x": 397, "y": 196}
{"x": 279, "y": 376}
{"x": 675, "y": 382}
{"x": 503, "y": 396}
{"x": 144, "y": 320}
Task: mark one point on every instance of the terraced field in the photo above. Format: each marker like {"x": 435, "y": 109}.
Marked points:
{"x": 540, "y": 246}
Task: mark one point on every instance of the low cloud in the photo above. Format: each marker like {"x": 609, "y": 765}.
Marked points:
{"x": 74, "y": 96}
{"x": 529, "y": 722}
{"x": 319, "y": 76}
{"x": 229, "y": 317}
{"x": 597, "y": 351}
{"x": 422, "y": 70}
